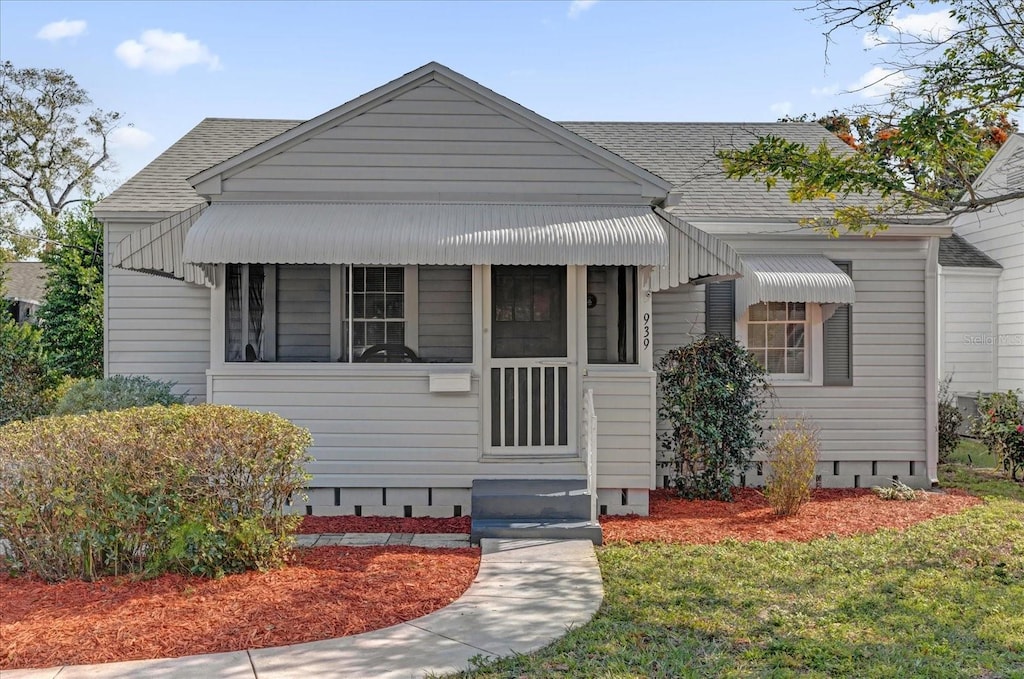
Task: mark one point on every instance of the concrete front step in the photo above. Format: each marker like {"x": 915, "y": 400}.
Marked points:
{"x": 535, "y": 530}
{"x": 527, "y": 499}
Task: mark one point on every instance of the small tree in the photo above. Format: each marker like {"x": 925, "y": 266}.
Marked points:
{"x": 950, "y": 419}
{"x": 713, "y": 395}
{"x": 71, "y": 316}
{"x": 792, "y": 458}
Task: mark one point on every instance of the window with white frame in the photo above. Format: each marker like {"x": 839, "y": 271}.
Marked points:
{"x": 377, "y": 299}
{"x": 777, "y": 334}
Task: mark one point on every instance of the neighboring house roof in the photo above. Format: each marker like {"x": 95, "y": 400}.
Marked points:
{"x": 162, "y": 185}
{"x": 24, "y": 281}
{"x": 681, "y": 153}
{"x": 684, "y": 154}
{"x": 955, "y": 251}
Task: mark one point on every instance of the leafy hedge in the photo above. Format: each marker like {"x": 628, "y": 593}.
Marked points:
{"x": 189, "y": 489}
{"x": 115, "y": 393}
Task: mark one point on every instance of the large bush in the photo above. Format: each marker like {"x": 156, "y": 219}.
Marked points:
{"x": 950, "y": 420}
{"x": 189, "y": 489}
{"x": 1000, "y": 426}
{"x": 116, "y": 393}
{"x": 712, "y": 396}
{"x": 26, "y": 382}
{"x": 792, "y": 458}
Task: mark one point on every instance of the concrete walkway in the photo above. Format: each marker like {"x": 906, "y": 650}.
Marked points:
{"x": 527, "y": 594}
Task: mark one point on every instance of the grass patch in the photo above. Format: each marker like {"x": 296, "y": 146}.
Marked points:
{"x": 941, "y": 599}
{"x": 972, "y": 453}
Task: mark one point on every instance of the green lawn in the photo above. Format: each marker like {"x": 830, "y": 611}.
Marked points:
{"x": 943, "y": 599}
{"x": 970, "y": 452}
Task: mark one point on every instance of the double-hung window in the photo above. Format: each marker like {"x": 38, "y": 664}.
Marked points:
{"x": 777, "y": 336}
{"x": 377, "y": 299}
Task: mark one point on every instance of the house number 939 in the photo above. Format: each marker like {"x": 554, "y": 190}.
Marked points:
{"x": 647, "y": 330}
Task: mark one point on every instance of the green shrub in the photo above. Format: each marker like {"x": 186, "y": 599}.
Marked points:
{"x": 950, "y": 419}
{"x": 1000, "y": 426}
{"x": 792, "y": 458}
{"x": 712, "y": 396}
{"x": 26, "y": 383}
{"x": 116, "y": 393}
{"x": 897, "y": 491}
{"x": 188, "y": 489}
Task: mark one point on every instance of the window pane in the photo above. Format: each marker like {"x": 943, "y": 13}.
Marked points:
{"x": 375, "y": 279}
{"x": 395, "y": 279}
{"x": 359, "y": 304}
{"x": 759, "y": 312}
{"x": 776, "y": 336}
{"x": 795, "y": 361}
{"x": 542, "y": 304}
{"x": 795, "y": 335}
{"x": 358, "y": 336}
{"x": 755, "y": 335}
{"x": 503, "y": 299}
{"x": 376, "y": 333}
{"x": 776, "y": 311}
{"x": 395, "y": 332}
{"x": 395, "y": 305}
{"x": 758, "y": 355}
{"x": 374, "y": 304}
{"x": 776, "y": 361}
{"x": 797, "y": 311}
{"x": 358, "y": 278}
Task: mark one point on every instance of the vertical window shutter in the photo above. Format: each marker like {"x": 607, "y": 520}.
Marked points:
{"x": 838, "y": 340}
{"x": 720, "y": 309}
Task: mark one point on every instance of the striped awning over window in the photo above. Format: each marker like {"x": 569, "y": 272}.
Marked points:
{"x": 792, "y": 278}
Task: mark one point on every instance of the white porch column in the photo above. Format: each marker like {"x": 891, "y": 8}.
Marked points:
{"x": 931, "y": 359}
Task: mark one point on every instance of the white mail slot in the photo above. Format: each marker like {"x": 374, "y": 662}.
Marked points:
{"x": 449, "y": 381}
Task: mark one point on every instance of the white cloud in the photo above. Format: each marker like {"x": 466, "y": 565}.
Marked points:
{"x": 781, "y": 108}
{"x": 162, "y": 52}
{"x": 878, "y": 82}
{"x": 932, "y": 26}
{"x": 826, "y": 91}
{"x": 578, "y": 7}
{"x": 58, "y": 30}
{"x": 130, "y": 138}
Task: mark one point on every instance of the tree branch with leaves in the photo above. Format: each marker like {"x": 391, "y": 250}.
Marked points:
{"x": 952, "y": 91}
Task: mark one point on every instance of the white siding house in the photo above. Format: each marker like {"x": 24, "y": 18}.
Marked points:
{"x": 984, "y": 306}
{"x": 436, "y": 282}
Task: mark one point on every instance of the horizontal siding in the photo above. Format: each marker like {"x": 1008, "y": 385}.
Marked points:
{"x": 303, "y": 313}
{"x": 379, "y": 431}
{"x": 967, "y": 349}
{"x": 446, "y": 313}
{"x": 625, "y": 439}
{"x": 431, "y": 140}
{"x": 156, "y": 326}
{"x": 882, "y": 416}
{"x": 999, "y": 233}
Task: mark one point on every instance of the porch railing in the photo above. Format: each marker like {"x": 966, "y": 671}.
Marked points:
{"x": 529, "y": 403}
{"x": 590, "y": 446}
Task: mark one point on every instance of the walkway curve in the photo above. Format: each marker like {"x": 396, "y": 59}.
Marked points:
{"x": 527, "y": 594}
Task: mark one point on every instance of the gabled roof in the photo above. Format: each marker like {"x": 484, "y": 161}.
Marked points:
{"x": 955, "y": 251}
{"x": 24, "y": 281}
{"x": 441, "y": 74}
{"x": 162, "y": 185}
{"x": 684, "y": 154}
{"x": 1010, "y": 155}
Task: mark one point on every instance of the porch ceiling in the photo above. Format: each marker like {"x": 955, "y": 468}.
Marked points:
{"x": 793, "y": 278}
{"x": 427, "y": 233}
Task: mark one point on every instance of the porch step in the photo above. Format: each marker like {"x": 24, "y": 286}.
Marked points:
{"x": 537, "y": 530}
{"x": 532, "y": 508}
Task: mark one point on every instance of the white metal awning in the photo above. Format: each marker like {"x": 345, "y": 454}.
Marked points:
{"x": 792, "y": 278}
{"x": 157, "y": 248}
{"x": 426, "y": 233}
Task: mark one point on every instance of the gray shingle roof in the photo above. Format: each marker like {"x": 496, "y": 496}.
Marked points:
{"x": 684, "y": 154}
{"x": 681, "y": 153}
{"x": 24, "y": 281}
{"x": 161, "y": 186}
{"x": 955, "y": 251}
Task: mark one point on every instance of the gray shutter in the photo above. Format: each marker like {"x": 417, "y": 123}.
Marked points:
{"x": 720, "y": 309}
{"x": 838, "y": 340}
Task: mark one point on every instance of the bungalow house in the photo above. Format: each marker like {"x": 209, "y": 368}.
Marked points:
{"x": 446, "y": 287}
{"x": 23, "y": 286}
{"x": 981, "y": 287}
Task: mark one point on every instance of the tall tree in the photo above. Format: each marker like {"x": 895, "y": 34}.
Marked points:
{"x": 71, "y": 315}
{"x": 952, "y": 89}
{"x": 53, "y": 146}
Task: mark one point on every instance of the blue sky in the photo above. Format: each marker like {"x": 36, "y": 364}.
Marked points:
{"x": 167, "y": 65}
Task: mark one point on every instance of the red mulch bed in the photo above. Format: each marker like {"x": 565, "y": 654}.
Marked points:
{"x": 327, "y": 592}
{"x": 382, "y": 524}
{"x": 830, "y": 512}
